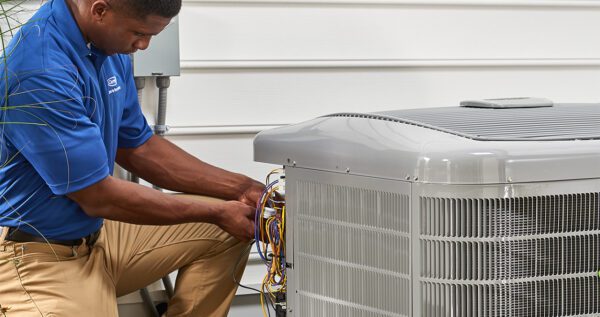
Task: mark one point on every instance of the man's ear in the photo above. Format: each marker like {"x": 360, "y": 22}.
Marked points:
{"x": 99, "y": 9}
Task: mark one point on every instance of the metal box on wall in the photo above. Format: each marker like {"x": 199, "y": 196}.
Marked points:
{"x": 459, "y": 211}
{"x": 162, "y": 56}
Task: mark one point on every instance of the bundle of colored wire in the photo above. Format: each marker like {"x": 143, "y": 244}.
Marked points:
{"x": 270, "y": 239}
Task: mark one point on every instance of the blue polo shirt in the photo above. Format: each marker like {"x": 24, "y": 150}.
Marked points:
{"x": 69, "y": 108}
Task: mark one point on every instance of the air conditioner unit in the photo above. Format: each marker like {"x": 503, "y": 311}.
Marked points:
{"x": 488, "y": 209}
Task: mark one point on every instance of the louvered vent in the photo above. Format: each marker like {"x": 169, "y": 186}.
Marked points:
{"x": 353, "y": 251}
{"x": 561, "y": 122}
{"x": 518, "y": 257}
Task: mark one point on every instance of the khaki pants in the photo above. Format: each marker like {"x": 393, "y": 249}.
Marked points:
{"x": 37, "y": 279}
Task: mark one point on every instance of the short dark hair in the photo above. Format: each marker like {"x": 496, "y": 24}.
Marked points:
{"x": 143, "y": 8}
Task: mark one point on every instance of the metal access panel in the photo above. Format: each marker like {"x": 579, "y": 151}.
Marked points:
{"x": 162, "y": 56}
{"x": 349, "y": 245}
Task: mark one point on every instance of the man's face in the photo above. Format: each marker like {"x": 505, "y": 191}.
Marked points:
{"x": 120, "y": 32}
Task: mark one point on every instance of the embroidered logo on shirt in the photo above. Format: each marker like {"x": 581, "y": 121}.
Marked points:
{"x": 112, "y": 81}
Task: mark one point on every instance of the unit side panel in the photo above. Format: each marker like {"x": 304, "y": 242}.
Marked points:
{"x": 349, "y": 244}
{"x": 531, "y": 251}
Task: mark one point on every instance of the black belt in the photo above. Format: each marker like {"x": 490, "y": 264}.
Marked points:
{"x": 17, "y": 235}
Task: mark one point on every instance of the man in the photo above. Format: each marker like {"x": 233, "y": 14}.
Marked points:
{"x": 70, "y": 111}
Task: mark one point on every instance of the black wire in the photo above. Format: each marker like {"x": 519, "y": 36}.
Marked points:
{"x": 235, "y": 268}
{"x": 268, "y": 308}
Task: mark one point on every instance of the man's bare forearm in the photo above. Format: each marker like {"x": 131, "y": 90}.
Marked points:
{"x": 124, "y": 201}
{"x": 162, "y": 163}
{"x": 119, "y": 200}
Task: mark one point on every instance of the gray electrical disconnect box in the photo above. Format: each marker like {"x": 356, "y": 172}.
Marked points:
{"x": 162, "y": 56}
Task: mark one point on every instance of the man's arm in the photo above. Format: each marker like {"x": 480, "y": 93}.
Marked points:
{"x": 166, "y": 165}
{"x": 124, "y": 201}
{"x": 162, "y": 163}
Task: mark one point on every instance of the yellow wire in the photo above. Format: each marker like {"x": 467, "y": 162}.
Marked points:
{"x": 262, "y": 305}
{"x": 283, "y": 218}
{"x": 277, "y": 170}
{"x": 262, "y": 209}
{"x": 275, "y": 274}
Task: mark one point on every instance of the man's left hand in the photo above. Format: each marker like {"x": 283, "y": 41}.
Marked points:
{"x": 251, "y": 192}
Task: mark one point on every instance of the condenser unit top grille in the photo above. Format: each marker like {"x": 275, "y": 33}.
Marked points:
{"x": 545, "y": 123}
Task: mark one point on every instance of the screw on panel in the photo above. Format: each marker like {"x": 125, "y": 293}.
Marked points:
{"x": 416, "y": 178}
{"x": 289, "y": 160}
{"x": 347, "y": 169}
{"x": 509, "y": 179}
{"x": 294, "y": 163}
{"x": 407, "y": 177}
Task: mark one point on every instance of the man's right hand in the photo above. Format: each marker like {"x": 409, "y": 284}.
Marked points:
{"x": 237, "y": 219}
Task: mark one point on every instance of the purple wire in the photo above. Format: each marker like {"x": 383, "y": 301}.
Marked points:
{"x": 274, "y": 231}
{"x": 256, "y": 219}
